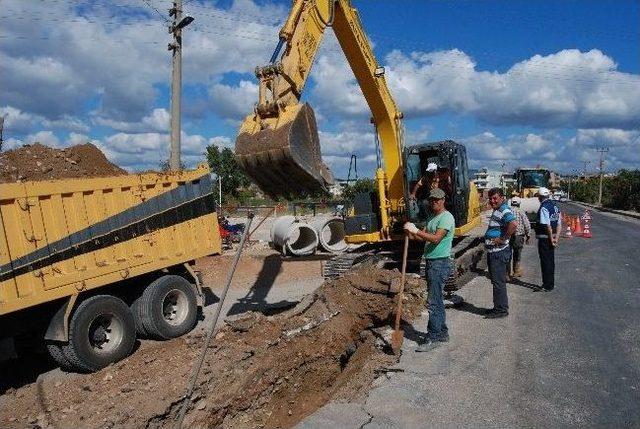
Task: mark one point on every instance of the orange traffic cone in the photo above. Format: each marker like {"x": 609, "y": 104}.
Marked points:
{"x": 578, "y": 230}
{"x": 586, "y": 232}
{"x": 567, "y": 231}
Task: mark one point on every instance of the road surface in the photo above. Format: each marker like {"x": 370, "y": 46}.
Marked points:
{"x": 566, "y": 358}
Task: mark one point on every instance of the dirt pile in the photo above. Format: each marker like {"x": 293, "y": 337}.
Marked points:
{"x": 260, "y": 371}
{"x": 40, "y": 162}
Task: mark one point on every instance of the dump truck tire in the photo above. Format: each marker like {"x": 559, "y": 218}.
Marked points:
{"x": 137, "y": 316}
{"x": 168, "y": 307}
{"x": 57, "y": 354}
{"x": 101, "y": 331}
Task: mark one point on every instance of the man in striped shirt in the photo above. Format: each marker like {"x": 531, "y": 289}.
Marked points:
{"x": 502, "y": 225}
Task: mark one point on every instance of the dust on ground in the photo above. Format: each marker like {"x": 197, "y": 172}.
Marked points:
{"x": 259, "y": 266}
{"x": 40, "y": 162}
{"x": 261, "y": 371}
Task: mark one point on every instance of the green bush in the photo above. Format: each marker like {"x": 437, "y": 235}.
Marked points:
{"x": 621, "y": 192}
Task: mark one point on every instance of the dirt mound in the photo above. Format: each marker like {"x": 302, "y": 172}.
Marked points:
{"x": 40, "y": 162}
{"x": 260, "y": 371}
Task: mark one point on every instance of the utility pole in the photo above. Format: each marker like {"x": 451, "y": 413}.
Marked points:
{"x": 2, "y": 131}
{"x": 176, "y": 79}
{"x": 602, "y": 151}
{"x": 576, "y": 173}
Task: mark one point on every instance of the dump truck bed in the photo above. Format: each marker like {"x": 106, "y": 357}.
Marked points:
{"x": 62, "y": 237}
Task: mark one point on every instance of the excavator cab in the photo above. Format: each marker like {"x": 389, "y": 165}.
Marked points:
{"x": 282, "y": 154}
{"x": 453, "y": 178}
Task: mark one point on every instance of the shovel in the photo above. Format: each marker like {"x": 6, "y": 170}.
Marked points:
{"x": 398, "y": 335}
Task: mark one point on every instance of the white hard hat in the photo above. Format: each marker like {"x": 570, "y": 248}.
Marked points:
{"x": 543, "y": 192}
{"x": 432, "y": 166}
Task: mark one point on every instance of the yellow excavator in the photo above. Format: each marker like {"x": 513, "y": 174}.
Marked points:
{"x": 278, "y": 144}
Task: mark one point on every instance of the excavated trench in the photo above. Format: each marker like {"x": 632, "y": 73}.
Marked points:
{"x": 261, "y": 371}
{"x": 327, "y": 347}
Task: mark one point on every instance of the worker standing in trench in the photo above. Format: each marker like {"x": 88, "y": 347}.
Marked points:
{"x": 437, "y": 252}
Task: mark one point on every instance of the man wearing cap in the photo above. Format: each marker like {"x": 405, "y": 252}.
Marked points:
{"x": 502, "y": 225}
{"x": 430, "y": 179}
{"x": 548, "y": 235}
{"x": 520, "y": 237}
{"x": 437, "y": 252}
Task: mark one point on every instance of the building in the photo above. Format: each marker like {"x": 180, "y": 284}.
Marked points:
{"x": 486, "y": 179}
{"x": 554, "y": 180}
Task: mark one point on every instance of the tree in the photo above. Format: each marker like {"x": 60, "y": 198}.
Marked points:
{"x": 619, "y": 192}
{"x": 361, "y": 185}
{"x": 223, "y": 164}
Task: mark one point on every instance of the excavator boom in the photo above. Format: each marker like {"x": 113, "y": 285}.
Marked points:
{"x": 278, "y": 145}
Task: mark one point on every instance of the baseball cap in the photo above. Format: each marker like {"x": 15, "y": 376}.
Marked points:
{"x": 432, "y": 166}
{"x": 544, "y": 192}
{"x": 437, "y": 194}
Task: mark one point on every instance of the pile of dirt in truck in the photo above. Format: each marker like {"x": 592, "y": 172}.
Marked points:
{"x": 260, "y": 371}
{"x": 40, "y": 162}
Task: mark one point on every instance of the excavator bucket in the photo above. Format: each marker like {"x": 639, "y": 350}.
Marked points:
{"x": 284, "y": 160}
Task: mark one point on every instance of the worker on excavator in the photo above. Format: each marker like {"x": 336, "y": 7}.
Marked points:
{"x": 430, "y": 178}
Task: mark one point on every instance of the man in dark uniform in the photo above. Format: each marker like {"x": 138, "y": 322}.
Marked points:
{"x": 548, "y": 234}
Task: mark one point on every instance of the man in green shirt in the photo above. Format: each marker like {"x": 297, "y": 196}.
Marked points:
{"x": 437, "y": 252}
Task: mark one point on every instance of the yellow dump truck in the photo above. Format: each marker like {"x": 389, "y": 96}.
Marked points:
{"x": 85, "y": 264}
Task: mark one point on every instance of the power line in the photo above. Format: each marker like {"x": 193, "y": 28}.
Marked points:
{"x": 164, "y": 18}
{"x": 389, "y": 42}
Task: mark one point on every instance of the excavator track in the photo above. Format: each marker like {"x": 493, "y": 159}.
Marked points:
{"x": 467, "y": 253}
{"x": 342, "y": 263}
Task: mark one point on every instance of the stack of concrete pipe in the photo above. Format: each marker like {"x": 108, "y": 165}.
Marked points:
{"x": 331, "y": 233}
{"x": 292, "y": 236}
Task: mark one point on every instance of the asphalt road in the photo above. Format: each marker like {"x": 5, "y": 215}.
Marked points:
{"x": 566, "y": 358}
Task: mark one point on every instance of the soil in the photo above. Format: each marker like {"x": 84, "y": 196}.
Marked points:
{"x": 259, "y": 267}
{"x": 260, "y": 371}
{"x": 40, "y": 162}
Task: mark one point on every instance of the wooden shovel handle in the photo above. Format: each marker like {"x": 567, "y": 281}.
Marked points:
{"x": 405, "y": 251}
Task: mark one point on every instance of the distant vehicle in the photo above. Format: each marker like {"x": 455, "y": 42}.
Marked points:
{"x": 560, "y": 195}
{"x": 528, "y": 182}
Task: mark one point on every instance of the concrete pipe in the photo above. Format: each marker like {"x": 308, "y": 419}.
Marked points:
{"x": 331, "y": 234}
{"x": 294, "y": 237}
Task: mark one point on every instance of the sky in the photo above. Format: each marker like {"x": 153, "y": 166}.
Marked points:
{"x": 520, "y": 83}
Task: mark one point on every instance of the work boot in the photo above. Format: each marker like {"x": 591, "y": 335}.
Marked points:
{"x": 517, "y": 272}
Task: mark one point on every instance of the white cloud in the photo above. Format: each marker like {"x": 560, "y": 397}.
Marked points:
{"x": 346, "y": 142}
{"x": 233, "y": 102}
{"x": 17, "y": 122}
{"x": 567, "y": 89}
{"x": 222, "y": 142}
{"x": 158, "y": 120}
{"x": 553, "y": 150}
{"x": 116, "y": 56}
{"x": 146, "y": 151}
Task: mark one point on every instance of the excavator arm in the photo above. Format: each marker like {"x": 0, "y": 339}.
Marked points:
{"x": 278, "y": 145}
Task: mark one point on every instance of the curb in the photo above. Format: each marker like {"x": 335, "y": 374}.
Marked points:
{"x": 605, "y": 209}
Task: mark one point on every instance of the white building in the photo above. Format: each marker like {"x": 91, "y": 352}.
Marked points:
{"x": 487, "y": 179}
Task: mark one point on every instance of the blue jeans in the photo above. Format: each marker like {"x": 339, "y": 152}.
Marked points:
{"x": 438, "y": 271}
